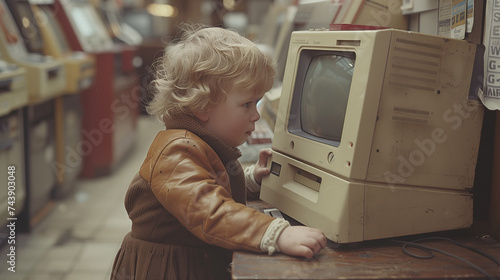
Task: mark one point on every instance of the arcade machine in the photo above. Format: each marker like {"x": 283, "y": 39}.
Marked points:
{"x": 46, "y": 76}
{"x": 119, "y": 30}
{"x": 80, "y": 70}
{"x": 80, "y": 66}
{"x": 111, "y": 104}
{"x": 13, "y": 92}
{"x": 13, "y": 96}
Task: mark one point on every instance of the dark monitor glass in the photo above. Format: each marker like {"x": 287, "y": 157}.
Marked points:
{"x": 25, "y": 21}
{"x": 320, "y": 96}
{"x": 141, "y": 21}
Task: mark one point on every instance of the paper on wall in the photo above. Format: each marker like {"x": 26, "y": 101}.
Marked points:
{"x": 444, "y": 18}
{"x": 458, "y": 18}
{"x": 491, "y": 94}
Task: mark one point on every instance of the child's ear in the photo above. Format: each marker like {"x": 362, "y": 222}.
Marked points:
{"x": 202, "y": 115}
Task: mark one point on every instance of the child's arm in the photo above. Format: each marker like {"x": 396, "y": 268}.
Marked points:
{"x": 255, "y": 172}
{"x": 188, "y": 179}
{"x": 184, "y": 181}
{"x": 294, "y": 240}
{"x": 260, "y": 169}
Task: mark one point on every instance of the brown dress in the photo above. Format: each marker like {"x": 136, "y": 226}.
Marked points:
{"x": 187, "y": 209}
{"x": 138, "y": 259}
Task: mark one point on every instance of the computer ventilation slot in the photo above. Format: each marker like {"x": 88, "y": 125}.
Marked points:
{"x": 411, "y": 115}
{"x": 415, "y": 65}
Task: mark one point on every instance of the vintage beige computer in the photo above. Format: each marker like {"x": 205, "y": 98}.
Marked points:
{"x": 46, "y": 74}
{"x": 13, "y": 97}
{"x": 13, "y": 93}
{"x": 80, "y": 66}
{"x": 377, "y": 133}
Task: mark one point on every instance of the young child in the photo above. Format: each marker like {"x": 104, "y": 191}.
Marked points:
{"x": 187, "y": 203}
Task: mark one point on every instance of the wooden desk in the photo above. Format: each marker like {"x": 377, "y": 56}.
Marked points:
{"x": 380, "y": 259}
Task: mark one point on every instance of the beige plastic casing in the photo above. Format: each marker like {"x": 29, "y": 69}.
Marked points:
{"x": 407, "y": 156}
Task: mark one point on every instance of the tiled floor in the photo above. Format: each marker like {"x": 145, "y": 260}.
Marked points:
{"x": 80, "y": 237}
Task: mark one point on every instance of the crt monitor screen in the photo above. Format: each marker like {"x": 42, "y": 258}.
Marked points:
{"x": 320, "y": 95}
{"x": 83, "y": 21}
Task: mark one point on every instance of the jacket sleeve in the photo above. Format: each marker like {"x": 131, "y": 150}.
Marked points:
{"x": 253, "y": 188}
{"x": 190, "y": 181}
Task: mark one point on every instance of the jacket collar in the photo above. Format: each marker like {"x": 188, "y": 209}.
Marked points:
{"x": 229, "y": 155}
{"x": 183, "y": 121}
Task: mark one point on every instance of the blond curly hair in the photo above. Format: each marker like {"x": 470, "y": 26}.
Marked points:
{"x": 199, "y": 70}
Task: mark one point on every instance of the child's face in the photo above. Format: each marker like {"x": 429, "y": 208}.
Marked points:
{"x": 234, "y": 120}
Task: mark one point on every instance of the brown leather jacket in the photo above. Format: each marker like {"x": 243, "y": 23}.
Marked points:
{"x": 182, "y": 196}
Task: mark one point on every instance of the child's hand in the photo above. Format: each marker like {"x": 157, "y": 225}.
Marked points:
{"x": 260, "y": 168}
{"x": 301, "y": 241}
